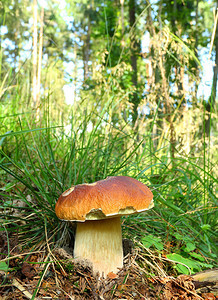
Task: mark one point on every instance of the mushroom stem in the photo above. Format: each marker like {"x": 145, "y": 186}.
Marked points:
{"x": 100, "y": 243}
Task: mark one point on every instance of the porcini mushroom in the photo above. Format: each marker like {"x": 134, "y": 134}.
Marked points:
{"x": 97, "y": 208}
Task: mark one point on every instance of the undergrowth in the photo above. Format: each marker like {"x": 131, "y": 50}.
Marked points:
{"x": 44, "y": 151}
{"x": 38, "y": 164}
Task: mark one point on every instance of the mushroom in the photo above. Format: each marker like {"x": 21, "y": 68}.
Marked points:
{"x": 97, "y": 209}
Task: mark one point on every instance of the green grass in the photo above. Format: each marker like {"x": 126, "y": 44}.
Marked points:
{"x": 38, "y": 164}
{"x": 41, "y": 159}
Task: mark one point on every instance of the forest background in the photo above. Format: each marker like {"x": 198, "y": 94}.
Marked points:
{"x": 90, "y": 89}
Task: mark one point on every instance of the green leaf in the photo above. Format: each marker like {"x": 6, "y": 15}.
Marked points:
{"x": 206, "y": 266}
{"x": 190, "y": 247}
{"x": 12, "y": 133}
{"x": 182, "y": 269}
{"x": 2, "y": 139}
{"x": 151, "y": 240}
{"x": 178, "y": 236}
{"x": 197, "y": 256}
{"x": 205, "y": 227}
{"x": 3, "y": 266}
{"x": 192, "y": 265}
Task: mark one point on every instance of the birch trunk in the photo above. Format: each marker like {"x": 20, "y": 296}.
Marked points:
{"x": 34, "y": 55}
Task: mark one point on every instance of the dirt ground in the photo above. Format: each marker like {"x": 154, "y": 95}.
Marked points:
{"x": 54, "y": 275}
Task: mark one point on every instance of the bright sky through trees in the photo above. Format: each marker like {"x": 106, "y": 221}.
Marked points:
{"x": 70, "y": 90}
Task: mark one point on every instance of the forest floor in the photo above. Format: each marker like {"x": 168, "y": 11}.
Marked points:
{"x": 53, "y": 275}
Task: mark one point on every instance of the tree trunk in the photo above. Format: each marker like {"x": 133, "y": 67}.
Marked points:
{"x": 174, "y": 16}
{"x": 211, "y": 101}
{"x": 40, "y": 59}
{"x": 17, "y": 37}
{"x": 196, "y": 46}
{"x": 34, "y": 57}
{"x": 133, "y": 49}
{"x": 122, "y": 21}
{"x": 86, "y": 51}
{"x": 154, "y": 80}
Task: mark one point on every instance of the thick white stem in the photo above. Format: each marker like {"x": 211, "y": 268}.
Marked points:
{"x": 100, "y": 243}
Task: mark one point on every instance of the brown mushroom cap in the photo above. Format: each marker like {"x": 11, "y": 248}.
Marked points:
{"x": 113, "y": 196}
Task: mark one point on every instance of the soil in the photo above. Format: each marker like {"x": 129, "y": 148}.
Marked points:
{"x": 54, "y": 275}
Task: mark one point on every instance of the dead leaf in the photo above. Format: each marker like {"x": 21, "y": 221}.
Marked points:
{"x": 111, "y": 275}
{"x": 208, "y": 296}
{"x": 28, "y": 270}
